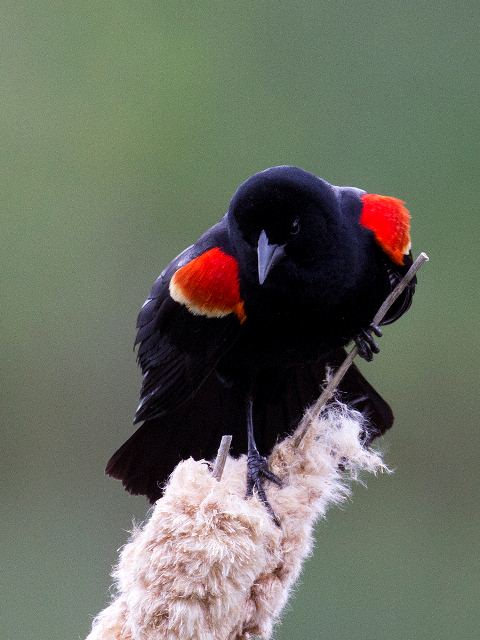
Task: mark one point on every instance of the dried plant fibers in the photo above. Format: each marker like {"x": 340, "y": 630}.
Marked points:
{"x": 209, "y": 564}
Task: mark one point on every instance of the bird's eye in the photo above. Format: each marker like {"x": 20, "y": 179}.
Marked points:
{"x": 295, "y": 227}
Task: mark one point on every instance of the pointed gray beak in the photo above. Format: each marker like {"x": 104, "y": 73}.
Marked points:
{"x": 268, "y": 256}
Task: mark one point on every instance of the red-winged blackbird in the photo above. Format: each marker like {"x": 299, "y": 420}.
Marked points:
{"x": 240, "y": 328}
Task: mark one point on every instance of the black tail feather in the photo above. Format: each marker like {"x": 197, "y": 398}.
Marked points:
{"x": 144, "y": 462}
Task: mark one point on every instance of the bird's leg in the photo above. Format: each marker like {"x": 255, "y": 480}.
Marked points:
{"x": 257, "y": 466}
{"x": 366, "y": 343}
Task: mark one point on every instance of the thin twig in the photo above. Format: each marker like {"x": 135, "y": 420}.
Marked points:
{"x": 221, "y": 458}
{"x": 333, "y": 383}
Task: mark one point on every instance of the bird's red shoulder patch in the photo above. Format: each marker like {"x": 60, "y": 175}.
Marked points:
{"x": 209, "y": 285}
{"x": 389, "y": 220}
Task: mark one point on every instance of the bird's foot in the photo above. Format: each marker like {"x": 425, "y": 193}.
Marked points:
{"x": 366, "y": 343}
{"x": 257, "y": 473}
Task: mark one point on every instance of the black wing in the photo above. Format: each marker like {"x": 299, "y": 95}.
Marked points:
{"x": 178, "y": 349}
{"x": 402, "y": 304}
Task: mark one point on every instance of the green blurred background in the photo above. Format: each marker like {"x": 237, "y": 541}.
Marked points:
{"x": 125, "y": 128}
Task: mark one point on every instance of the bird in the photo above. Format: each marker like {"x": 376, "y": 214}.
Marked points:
{"x": 240, "y": 330}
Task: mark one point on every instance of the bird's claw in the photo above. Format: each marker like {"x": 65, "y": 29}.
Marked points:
{"x": 257, "y": 473}
{"x": 366, "y": 343}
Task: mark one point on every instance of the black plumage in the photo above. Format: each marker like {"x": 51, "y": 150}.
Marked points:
{"x": 310, "y": 279}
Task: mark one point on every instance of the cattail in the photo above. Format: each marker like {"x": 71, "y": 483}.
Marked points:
{"x": 209, "y": 564}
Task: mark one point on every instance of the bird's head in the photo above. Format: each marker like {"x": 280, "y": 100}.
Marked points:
{"x": 285, "y": 215}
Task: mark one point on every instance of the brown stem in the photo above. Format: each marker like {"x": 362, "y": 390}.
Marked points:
{"x": 221, "y": 458}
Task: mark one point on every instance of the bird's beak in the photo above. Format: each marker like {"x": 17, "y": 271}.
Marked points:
{"x": 268, "y": 256}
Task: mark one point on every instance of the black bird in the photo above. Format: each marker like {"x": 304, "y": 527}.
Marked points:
{"x": 239, "y": 329}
